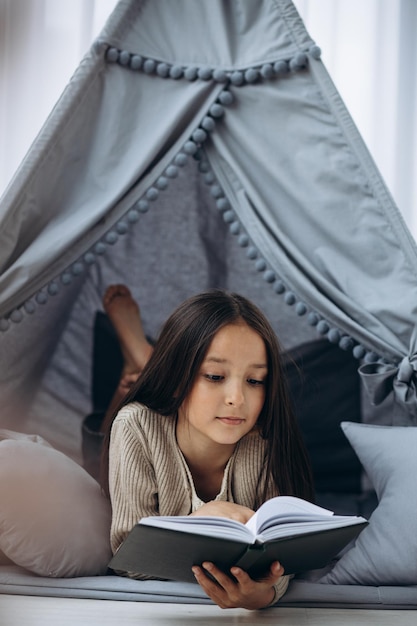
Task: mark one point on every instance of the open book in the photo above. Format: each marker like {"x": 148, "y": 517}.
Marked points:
{"x": 298, "y": 534}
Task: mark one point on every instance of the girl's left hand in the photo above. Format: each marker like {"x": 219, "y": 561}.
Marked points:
{"x": 244, "y": 593}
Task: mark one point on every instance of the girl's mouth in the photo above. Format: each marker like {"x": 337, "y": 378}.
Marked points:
{"x": 231, "y": 421}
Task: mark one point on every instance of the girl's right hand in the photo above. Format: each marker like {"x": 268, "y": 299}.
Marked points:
{"x": 218, "y": 508}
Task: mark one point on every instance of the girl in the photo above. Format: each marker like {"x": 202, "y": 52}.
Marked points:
{"x": 207, "y": 429}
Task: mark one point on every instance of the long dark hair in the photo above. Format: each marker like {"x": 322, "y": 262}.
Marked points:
{"x": 169, "y": 375}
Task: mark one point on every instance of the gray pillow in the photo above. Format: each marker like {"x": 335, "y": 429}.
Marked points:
{"x": 385, "y": 553}
{"x": 54, "y": 520}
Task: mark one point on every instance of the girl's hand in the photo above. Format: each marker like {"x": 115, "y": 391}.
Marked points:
{"x": 243, "y": 592}
{"x": 231, "y": 510}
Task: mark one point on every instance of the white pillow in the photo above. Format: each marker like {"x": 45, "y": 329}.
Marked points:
{"x": 385, "y": 553}
{"x": 54, "y": 520}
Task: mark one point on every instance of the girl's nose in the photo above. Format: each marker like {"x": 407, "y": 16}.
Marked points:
{"x": 234, "y": 394}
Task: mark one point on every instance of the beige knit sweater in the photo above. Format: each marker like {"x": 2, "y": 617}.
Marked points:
{"x": 148, "y": 474}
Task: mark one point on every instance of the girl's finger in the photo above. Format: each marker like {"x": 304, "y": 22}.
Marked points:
{"x": 221, "y": 577}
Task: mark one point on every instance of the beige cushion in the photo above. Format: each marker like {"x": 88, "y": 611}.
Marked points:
{"x": 54, "y": 520}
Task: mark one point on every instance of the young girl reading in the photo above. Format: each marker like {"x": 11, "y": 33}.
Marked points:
{"x": 206, "y": 429}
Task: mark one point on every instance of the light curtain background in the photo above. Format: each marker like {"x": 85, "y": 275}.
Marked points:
{"x": 368, "y": 46}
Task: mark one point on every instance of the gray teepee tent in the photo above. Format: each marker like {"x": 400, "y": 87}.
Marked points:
{"x": 202, "y": 144}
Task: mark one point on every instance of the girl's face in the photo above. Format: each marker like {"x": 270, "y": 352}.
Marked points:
{"x": 229, "y": 391}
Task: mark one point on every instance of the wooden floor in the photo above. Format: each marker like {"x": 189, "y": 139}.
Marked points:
{"x": 40, "y": 611}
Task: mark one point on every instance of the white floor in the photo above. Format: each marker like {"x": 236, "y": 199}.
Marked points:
{"x": 40, "y": 611}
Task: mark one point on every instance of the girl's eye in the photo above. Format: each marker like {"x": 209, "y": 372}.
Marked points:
{"x": 215, "y": 378}
{"x": 255, "y": 383}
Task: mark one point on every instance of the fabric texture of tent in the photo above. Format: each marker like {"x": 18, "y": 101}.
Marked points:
{"x": 202, "y": 144}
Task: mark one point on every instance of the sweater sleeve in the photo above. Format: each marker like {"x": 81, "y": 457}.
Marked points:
{"x": 132, "y": 483}
{"x": 280, "y": 588}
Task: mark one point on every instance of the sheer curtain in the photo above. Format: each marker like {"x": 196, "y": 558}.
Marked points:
{"x": 369, "y": 48}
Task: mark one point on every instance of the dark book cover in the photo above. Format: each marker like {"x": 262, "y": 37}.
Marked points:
{"x": 170, "y": 554}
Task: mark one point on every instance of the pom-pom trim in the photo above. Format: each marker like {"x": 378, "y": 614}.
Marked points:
{"x": 252, "y": 74}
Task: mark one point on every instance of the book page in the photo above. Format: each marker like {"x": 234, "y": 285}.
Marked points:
{"x": 328, "y": 522}
{"x": 279, "y": 517}
{"x": 209, "y": 526}
{"x": 285, "y": 509}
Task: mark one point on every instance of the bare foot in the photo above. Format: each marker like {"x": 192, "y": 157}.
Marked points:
{"x": 124, "y": 314}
